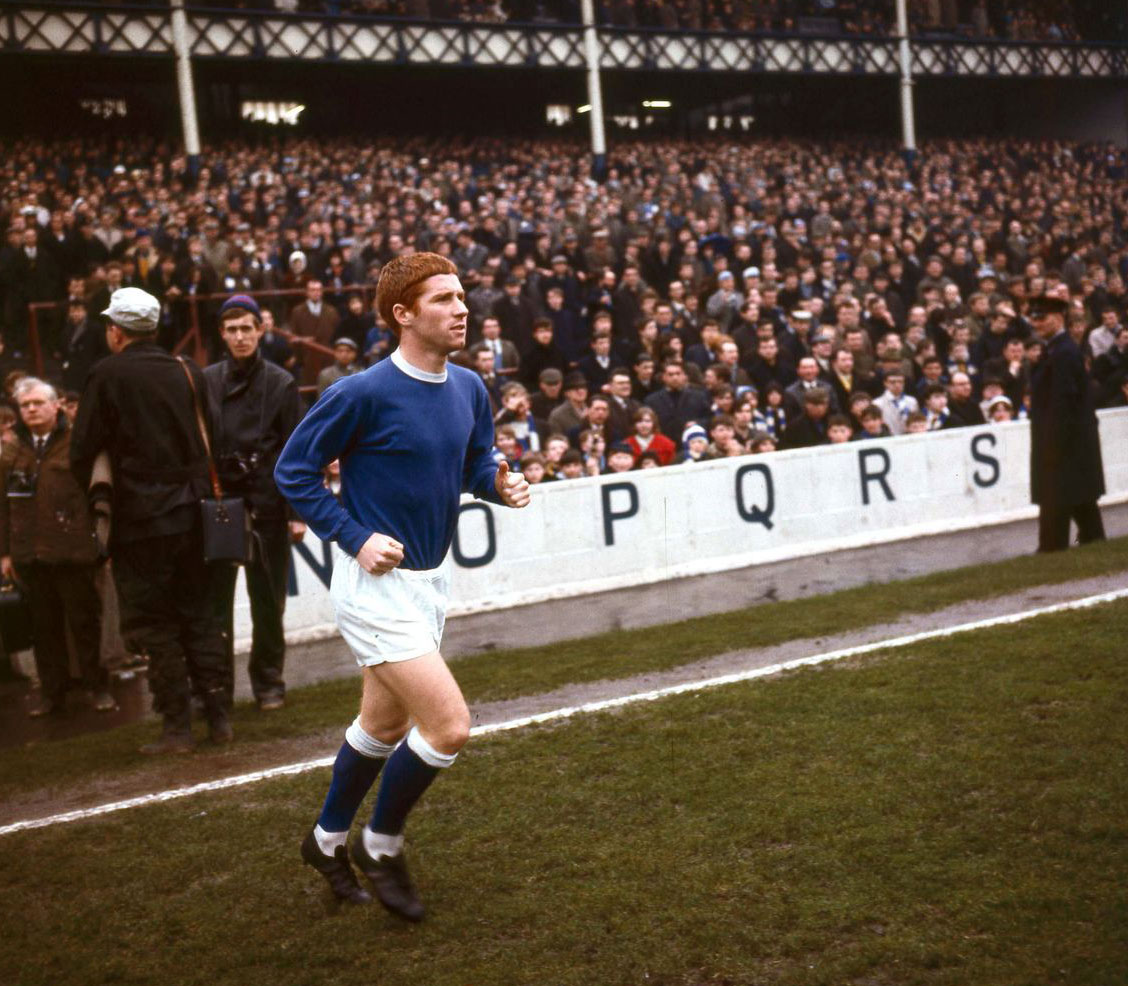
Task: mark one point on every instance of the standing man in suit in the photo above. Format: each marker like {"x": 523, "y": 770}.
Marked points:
{"x": 507, "y": 361}
{"x": 1066, "y": 473}
{"x": 315, "y": 320}
{"x": 514, "y": 313}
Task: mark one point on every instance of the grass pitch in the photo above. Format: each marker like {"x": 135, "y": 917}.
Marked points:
{"x": 951, "y": 813}
{"x": 529, "y": 671}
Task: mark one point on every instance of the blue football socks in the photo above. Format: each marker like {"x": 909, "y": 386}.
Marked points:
{"x": 411, "y": 769}
{"x": 355, "y": 770}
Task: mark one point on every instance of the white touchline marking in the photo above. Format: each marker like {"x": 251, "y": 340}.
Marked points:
{"x": 574, "y": 710}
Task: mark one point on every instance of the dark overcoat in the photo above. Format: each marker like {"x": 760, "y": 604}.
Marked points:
{"x": 255, "y": 408}
{"x": 138, "y": 407}
{"x": 1065, "y": 446}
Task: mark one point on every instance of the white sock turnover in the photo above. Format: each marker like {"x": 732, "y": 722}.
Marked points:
{"x": 328, "y": 842}
{"x": 377, "y": 844}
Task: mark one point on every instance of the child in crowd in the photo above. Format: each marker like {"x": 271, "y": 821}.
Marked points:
{"x": 762, "y": 442}
{"x": 774, "y": 417}
{"x": 744, "y": 418}
{"x": 959, "y": 361}
{"x": 873, "y": 424}
{"x": 838, "y": 430}
{"x": 723, "y": 399}
{"x": 533, "y": 468}
{"x": 916, "y": 423}
{"x": 992, "y": 388}
{"x": 1000, "y": 410}
{"x": 507, "y": 445}
{"x": 723, "y": 443}
{"x": 516, "y": 414}
{"x": 761, "y": 421}
{"x": 378, "y": 343}
{"x": 859, "y": 401}
{"x": 648, "y": 437}
{"x": 935, "y": 406}
{"x": 694, "y": 442}
{"x": 620, "y": 458}
{"x": 593, "y": 447}
{"x": 344, "y": 364}
{"x": 649, "y": 460}
{"x": 571, "y": 465}
{"x": 554, "y": 448}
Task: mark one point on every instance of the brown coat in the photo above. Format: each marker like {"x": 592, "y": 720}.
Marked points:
{"x": 323, "y": 329}
{"x": 44, "y": 515}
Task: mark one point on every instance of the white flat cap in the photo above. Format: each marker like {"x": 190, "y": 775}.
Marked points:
{"x": 134, "y": 310}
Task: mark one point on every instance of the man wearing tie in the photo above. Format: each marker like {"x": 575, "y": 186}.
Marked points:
{"x": 47, "y": 545}
{"x": 505, "y": 356}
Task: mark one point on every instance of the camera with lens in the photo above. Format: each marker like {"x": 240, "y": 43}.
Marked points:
{"x": 21, "y": 483}
{"x": 240, "y": 468}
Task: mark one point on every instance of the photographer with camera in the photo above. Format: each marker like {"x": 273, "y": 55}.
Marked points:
{"x": 255, "y": 404}
{"x": 47, "y": 546}
{"x": 139, "y": 408}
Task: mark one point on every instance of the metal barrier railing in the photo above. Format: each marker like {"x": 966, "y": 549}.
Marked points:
{"x": 192, "y": 309}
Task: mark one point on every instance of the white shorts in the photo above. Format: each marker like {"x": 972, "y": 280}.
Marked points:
{"x": 392, "y": 617}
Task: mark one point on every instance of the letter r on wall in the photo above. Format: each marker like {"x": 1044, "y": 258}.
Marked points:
{"x": 875, "y": 475}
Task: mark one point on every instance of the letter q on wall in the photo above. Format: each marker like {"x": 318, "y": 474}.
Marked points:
{"x": 752, "y": 508}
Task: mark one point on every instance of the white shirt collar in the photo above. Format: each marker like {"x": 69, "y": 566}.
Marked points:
{"x": 414, "y": 372}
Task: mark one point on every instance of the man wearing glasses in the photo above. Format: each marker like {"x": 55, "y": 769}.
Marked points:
{"x": 256, "y": 407}
{"x": 1066, "y": 474}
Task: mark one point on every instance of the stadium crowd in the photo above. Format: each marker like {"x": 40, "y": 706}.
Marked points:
{"x": 714, "y": 283}
{"x": 1009, "y": 20}
{"x": 700, "y": 300}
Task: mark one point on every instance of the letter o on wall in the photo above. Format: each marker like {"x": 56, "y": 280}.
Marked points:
{"x": 491, "y": 538}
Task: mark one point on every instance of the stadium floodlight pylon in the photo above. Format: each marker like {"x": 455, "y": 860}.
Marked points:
{"x": 908, "y": 115}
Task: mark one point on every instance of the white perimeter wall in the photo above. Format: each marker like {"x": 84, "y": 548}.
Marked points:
{"x": 609, "y": 532}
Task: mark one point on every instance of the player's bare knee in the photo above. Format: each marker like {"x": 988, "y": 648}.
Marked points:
{"x": 383, "y": 730}
{"x": 450, "y": 734}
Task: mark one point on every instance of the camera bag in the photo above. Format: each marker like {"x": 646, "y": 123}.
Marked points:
{"x": 226, "y": 519}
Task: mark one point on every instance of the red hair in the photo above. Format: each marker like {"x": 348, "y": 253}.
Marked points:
{"x": 401, "y": 283}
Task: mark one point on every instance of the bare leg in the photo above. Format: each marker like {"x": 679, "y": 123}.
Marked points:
{"x": 421, "y": 690}
{"x": 424, "y": 691}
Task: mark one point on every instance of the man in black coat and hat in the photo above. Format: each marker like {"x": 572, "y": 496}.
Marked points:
{"x": 1066, "y": 474}
{"x": 139, "y": 407}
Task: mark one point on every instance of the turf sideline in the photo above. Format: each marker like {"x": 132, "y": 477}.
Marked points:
{"x": 569, "y": 711}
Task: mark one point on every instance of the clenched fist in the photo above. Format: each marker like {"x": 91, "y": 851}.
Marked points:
{"x": 380, "y": 554}
{"x": 512, "y": 487}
